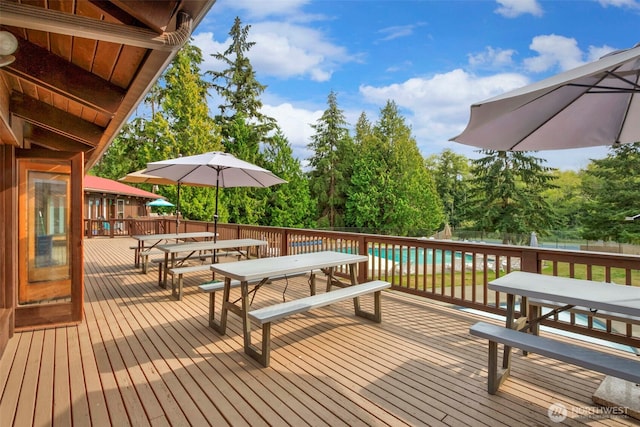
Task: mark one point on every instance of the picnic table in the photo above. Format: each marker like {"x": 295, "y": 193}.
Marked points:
{"x": 156, "y": 239}
{"x": 608, "y": 299}
{"x": 172, "y": 250}
{"x": 258, "y": 272}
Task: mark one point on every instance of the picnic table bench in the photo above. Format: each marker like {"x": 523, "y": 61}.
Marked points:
{"x": 218, "y": 285}
{"x": 606, "y": 363}
{"x": 267, "y": 315}
{"x": 144, "y": 258}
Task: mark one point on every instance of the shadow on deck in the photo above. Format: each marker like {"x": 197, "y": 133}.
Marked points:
{"x": 142, "y": 358}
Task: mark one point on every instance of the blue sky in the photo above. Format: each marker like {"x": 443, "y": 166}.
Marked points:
{"x": 432, "y": 58}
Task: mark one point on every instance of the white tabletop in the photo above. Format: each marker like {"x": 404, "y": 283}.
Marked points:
{"x": 255, "y": 269}
{"x": 170, "y": 236}
{"x": 210, "y": 245}
{"x": 584, "y": 293}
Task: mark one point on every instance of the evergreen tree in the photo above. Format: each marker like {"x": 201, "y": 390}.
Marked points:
{"x": 392, "y": 191}
{"x": 508, "y": 189}
{"x": 451, "y": 175}
{"x": 288, "y": 205}
{"x": 330, "y": 164}
{"x": 140, "y": 141}
{"x": 243, "y": 205}
{"x": 611, "y": 188}
{"x": 239, "y": 89}
{"x": 244, "y": 126}
{"x": 183, "y": 102}
{"x": 362, "y": 129}
{"x": 567, "y": 198}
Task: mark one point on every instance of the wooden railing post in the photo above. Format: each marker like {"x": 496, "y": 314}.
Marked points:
{"x": 363, "y": 266}
{"x": 530, "y": 262}
{"x": 284, "y": 242}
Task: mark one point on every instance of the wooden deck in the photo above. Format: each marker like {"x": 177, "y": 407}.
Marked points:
{"x": 142, "y": 358}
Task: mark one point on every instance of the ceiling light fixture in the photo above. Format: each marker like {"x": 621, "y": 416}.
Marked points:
{"x": 8, "y": 45}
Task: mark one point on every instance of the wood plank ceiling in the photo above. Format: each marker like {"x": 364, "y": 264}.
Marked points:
{"x": 83, "y": 66}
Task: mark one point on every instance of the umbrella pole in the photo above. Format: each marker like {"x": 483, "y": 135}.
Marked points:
{"x": 178, "y": 211}
{"x": 215, "y": 215}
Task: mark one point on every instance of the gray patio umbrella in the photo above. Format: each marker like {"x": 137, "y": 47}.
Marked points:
{"x": 595, "y": 104}
{"x": 215, "y": 169}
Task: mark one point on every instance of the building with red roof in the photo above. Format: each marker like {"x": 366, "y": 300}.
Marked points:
{"x": 108, "y": 199}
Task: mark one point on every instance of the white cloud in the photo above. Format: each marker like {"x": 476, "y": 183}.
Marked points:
{"x": 295, "y": 124}
{"x": 206, "y": 42}
{"x": 283, "y": 50}
{"x": 437, "y": 108}
{"x": 553, "y": 50}
{"x": 633, "y": 4}
{"x": 492, "y": 58}
{"x": 561, "y": 52}
{"x": 443, "y": 95}
{"x": 596, "y": 52}
{"x": 515, "y": 8}
{"x": 398, "y": 31}
{"x": 286, "y": 50}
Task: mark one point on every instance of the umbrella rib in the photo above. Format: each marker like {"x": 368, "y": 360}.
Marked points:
{"x": 633, "y": 84}
{"x": 624, "y": 119}
{"x": 535, "y": 129}
{"x": 610, "y": 89}
{"x": 219, "y": 169}
{"x": 161, "y": 167}
{"x": 259, "y": 184}
{"x": 563, "y": 108}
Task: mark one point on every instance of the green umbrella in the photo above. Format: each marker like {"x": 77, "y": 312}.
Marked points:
{"x": 160, "y": 203}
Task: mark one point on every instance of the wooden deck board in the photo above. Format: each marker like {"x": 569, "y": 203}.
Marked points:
{"x": 14, "y": 378}
{"x": 142, "y": 358}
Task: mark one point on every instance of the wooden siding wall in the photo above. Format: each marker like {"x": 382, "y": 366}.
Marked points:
{"x": 135, "y": 207}
{"x": 8, "y": 229}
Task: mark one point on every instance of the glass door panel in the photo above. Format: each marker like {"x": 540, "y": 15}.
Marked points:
{"x": 120, "y": 215}
{"x": 45, "y": 235}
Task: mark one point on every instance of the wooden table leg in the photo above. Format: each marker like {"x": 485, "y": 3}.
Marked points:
{"x": 312, "y": 283}
{"x": 511, "y": 307}
{"x": 246, "y": 322}
{"x": 136, "y": 255}
{"x": 262, "y": 354}
{"x": 221, "y": 327}
{"x": 166, "y": 268}
{"x": 354, "y": 281}
{"x": 329, "y": 272}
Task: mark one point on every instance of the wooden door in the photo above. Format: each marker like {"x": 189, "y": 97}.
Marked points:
{"x": 50, "y": 282}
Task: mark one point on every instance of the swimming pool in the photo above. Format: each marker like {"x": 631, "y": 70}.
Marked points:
{"x": 414, "y": 255}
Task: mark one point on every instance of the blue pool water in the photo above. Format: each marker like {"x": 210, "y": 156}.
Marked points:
{"x": 409, "y": 254}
